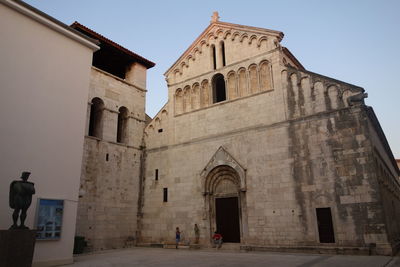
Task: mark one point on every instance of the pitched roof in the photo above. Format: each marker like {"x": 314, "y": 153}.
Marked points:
{"x": 147, "y": 63}
{"x": 293, "y": 58}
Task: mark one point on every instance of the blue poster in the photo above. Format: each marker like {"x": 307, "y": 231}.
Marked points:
{"x": 49, "y": 219}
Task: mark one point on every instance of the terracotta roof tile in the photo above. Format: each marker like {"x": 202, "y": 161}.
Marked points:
{"x": 101, "y": 38}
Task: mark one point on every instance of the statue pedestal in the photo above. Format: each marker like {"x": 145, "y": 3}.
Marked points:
{"x": 16, "y": 247}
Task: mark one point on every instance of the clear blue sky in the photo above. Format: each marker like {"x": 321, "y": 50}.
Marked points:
{"x": 354, "y": 41}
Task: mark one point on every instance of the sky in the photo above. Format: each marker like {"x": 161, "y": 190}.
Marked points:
{"x": 353, "y": 41}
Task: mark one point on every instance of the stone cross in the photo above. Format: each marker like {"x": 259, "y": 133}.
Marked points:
{"x": 214, "y": 17}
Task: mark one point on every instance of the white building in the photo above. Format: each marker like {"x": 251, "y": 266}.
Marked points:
{"x": 44, "y": 78}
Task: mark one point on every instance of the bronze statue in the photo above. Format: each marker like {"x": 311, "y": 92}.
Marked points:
{"x": 20, "y": 199}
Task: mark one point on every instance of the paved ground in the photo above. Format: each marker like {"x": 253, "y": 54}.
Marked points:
{"x": 149, "y": 257}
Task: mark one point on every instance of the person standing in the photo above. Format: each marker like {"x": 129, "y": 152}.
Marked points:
{"x": 196, "y": 233}
{"x": 177, "y": 237}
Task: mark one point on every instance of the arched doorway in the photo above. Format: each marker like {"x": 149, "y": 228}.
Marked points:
{"x": 224, "y": 200}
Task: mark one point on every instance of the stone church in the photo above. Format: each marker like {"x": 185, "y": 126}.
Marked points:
{"x": 249, "y": 143}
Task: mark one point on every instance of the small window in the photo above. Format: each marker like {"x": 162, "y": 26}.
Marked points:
{"x": 223, "y": 53}
{"x": 218, "y": 84}
{"x": 156, "y": 175}
{"x": 165, "y": 194}
{"x": 160, "y": 130}
{"x": 213, "y": 57}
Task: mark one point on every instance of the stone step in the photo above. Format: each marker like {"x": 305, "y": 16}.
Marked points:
{"x": 230, "y": 246}
{"x": 151, "y": 245}
{"x": 174, "y": 246}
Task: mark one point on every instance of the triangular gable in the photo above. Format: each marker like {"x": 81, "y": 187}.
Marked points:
{"x": 222, "y": 157}
{"x": 226, "y": 30}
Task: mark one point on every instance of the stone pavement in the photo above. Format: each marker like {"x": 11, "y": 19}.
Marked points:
{"x": 201, "y": 258}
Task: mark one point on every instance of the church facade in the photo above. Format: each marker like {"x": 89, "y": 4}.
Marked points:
{"x": 249, "y": 144}
{"x": 254, "y": 146}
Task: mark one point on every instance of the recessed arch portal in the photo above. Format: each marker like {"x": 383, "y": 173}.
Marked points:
{"x": 224, "y": 191}
{"x": 224, "y": 198}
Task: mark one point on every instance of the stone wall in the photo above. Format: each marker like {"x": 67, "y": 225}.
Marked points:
{"x": 109, "y": 194}
{"x": 291, "y": 169}
{"x": 386, "y": 173}
{"x": 304, "y": 144}
{"x": 109, "y": 189}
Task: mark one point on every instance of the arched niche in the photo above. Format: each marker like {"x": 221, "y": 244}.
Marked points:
{"x": 231, "y": 81}
{"x": 218, "y": 85}
{"x": 195, "y": 96}
{"x": 122, "y": 127}
{"x": 265, "y": 76}
{"x": 186, "y": 99}
{"x": 242, "y": 83}
{"x": 253, "y": 79}
{"x": 205, "y": 94}
{"x": 178, "y": 101}
{"x": 333, "y": 94}
{"x": 96, "y": 117}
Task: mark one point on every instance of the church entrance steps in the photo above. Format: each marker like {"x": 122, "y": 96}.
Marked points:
{"x": 173, "y": 245}
{"x": 312, "y": 249}
{"x": 230, "y": 246}
{"x": 169, "y": 245}
{"x": 285, "y": 249}
{"x": 150, "y": 245}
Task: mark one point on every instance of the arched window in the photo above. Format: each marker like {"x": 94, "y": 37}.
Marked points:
{"x": 122, "y": 129}
{"x": 218, "y": 85}
{"x": 213, "y": 57}
{"x": 222, "y": 45}
{"x": 96, "y": 117}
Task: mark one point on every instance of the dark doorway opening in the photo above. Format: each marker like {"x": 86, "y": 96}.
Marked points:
{"x": 227, "y": 217}
{"x": 218, "y": 83}
{"x": 325, "y": 225}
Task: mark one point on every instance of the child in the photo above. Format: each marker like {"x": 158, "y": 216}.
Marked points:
{"x": 177, "y": 237}
{"x": 217, "y": 240}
